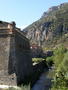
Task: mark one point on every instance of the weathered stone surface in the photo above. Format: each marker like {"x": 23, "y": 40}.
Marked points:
{"x": 15, "y": 55}
{"x": 23, "y": 58}
{"x": 5, "y": 59}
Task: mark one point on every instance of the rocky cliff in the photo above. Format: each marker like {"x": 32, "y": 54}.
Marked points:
{"x": 51, "y": 29}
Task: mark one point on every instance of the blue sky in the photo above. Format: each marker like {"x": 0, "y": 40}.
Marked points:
{"x": 25, "y": 12}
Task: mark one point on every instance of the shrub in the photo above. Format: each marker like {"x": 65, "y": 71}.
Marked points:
{"x": 60, "y": 81}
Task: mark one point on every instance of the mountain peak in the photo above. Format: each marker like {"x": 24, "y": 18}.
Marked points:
{"x": 53, "y": 8}
{"x": 48, "y": 30}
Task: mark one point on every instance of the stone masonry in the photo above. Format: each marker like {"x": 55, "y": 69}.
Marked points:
{"x": 15, "y": 55}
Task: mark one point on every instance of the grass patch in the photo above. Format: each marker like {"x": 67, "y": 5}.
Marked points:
{"x": 37, "y": 59}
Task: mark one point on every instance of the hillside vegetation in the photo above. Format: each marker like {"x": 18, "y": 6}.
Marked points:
{"x": 51, "y": 32}
{"x": 60, "y": 59}
{"x": 51, "y": 29}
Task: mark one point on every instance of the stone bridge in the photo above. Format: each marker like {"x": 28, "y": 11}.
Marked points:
{"x": 15, "y": 55}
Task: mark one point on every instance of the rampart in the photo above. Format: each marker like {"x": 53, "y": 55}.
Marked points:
{"x": 15, "y": 55}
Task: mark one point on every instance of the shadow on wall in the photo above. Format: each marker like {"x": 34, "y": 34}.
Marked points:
{"x": 20, "y": 61}
{"x": 12, "y": 57}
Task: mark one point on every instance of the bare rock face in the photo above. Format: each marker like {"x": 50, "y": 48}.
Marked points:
{"x": 48, "y": 30}
{"x": 15, "y": 55}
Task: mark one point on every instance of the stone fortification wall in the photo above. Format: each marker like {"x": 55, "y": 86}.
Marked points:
{"x": 5, "y": 59}
{"x": 15, "y": 56}
{"x": 23, "y": 58}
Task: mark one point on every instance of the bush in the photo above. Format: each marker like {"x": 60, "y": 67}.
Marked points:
{"x": 37, "y": 59}
{"x": 49, "y": 61}
{"x": 60, "y": 58}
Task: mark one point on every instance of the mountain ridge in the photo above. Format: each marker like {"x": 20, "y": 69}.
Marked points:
{"x": 50, "y": 28}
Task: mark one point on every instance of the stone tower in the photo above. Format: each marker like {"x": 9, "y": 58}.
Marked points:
{"x": 15, "y": 55}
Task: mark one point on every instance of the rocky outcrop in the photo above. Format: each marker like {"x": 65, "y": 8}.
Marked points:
{"x": 50, "y": 28}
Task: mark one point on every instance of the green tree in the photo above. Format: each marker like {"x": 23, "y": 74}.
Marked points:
{"x": 60, "y": 81}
